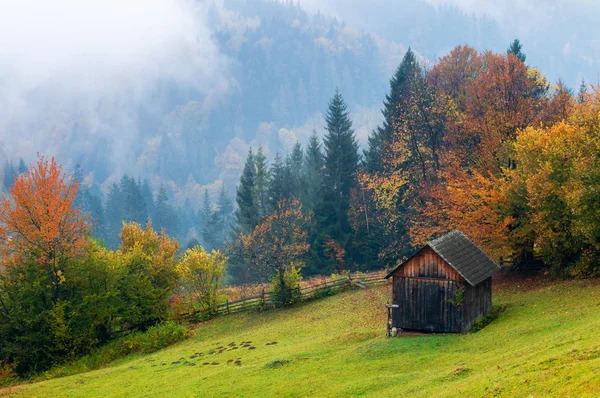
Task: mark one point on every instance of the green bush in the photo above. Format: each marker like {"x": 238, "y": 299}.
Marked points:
{"x": 291, "y": 284}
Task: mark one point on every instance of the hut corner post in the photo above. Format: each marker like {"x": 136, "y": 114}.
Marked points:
{"x": 389, "y": 318}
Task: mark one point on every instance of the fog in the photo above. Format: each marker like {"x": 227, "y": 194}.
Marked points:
{"x": 101, "y": 58}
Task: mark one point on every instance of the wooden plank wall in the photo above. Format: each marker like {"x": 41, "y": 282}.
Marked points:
{"x": 422, "y": 288}
{"x": 478, "y": 302}
{"x": 426, "y": 263}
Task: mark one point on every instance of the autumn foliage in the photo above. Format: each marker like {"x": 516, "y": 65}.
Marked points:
{"x": 483, "y": 143}
{"x": 276, "y": 246}
{"x": 38, "y": 221}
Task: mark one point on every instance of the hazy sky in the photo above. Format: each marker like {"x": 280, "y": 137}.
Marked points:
{"x": 96, "y": 57}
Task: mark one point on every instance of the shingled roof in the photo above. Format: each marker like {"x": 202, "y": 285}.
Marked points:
{"x": 462, "y": 255}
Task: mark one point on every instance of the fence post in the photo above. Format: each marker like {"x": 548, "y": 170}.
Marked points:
{"x": 262, "y": 299}
{"x": 227, "y": 303}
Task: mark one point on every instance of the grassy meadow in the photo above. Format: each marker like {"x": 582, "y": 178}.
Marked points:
{"x": 545, "y": 343}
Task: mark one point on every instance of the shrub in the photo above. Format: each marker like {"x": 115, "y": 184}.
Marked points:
{"x": 199, "y": 276}
{"x": 7, "y": 374}
{"x": 291, "y": 284}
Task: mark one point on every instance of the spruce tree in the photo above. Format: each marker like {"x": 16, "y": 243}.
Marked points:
{"x": 114, "y": 215}
{"x": 296, "y": 178}
{"x": 209, "y": 223}
{"x": 134, "y": 205}
{"x": 149, "y": 198}
{"x": 313, "y": 202}
{"x": 247, "y": 212}
{"x": 22, "y": 166}
{"x": 581, "y": 95}
{"x": 9, "y": 175}
{"x": 341, "y": 162}
{"x": 313, "y": 174}
{"x": 205, "y": 212}
{"x": 165, "y": 216}
{"x": 92, "y": 204}
{"x": 261, "y": 183}
{"x": 516, "y": 48}
{"x": 393, "y": 107}
{"x": 278, "y": 189}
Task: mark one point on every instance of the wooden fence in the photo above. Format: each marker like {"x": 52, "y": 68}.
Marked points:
{"x": 266, "y": 301}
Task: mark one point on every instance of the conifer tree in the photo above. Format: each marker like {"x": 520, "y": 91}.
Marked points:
{"x": 516, "y": 48}
{"x": 247, "y": 212}
{"x": 114, "y": 215}
{"x": 261, "y": 183}
{"x": 296, "y": 177}
{"x": 393, "y": 107}
{"x": 9, "y": 174}
{"x": 313, "y": 174}
{"x": 22, "y": 166}
{"x": 134, "y": 205}
{"x": 341, "y": 162}
{"x": 278, "y": 189}
{"x": 149, "y": 198}
{"x": 165, "y": 216}
{"x": 209, "y": 219}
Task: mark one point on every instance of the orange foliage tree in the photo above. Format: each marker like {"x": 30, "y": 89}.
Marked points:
{"x": 276, "y": 246}
{"x": 38, "y": 221}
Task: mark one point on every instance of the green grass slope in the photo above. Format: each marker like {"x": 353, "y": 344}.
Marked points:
{"x": 546, "y": 343}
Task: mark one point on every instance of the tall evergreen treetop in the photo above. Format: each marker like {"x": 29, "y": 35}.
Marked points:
{"x": 516, "y": 48}
{"x": 381, "y": 138}
{"x": 224, "y": 203}
{"x": 277, "y": 187}
{"x": 295, "y": 163}
{"x": 313, "y": 173}
{"x": 341, "y": 147}
{"x": 261, "y": 183}
{"x": 341, "y": 163}
{"x": 165, "y": 216}
{"x": 247, "y": 212}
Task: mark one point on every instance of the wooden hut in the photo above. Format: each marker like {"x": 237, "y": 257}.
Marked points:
{"x": 443, "y": 287}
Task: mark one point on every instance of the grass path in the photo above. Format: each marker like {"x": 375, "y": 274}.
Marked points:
{"x": 547, "y": 343}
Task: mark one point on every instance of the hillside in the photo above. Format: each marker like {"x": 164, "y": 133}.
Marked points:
{"x": 543, "y": 344}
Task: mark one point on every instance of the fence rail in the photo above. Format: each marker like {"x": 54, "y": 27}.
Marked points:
{"x": 266, "y": 300}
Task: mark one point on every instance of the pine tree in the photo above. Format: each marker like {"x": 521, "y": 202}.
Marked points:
{"x": 247, "y": 212}
{"x": 516, "y": 48}
{"x": 296, "y": 178}
{"x": 205, "y": 211}
{"x": 209, "y": 223}
{"x": 134, "y": 205}
{"x": 9, "y": 175}
{"x": 278, "y": 189}
{"x": 313, "y": 202}
{"x": 341, "y": 163}
{"x": 165, "y": 216}
{"x": 581, "y": 96}
{"x": 114, "y": 215}
{"x": 393, "y": 107}
{"x": 313, "y": 174}
{"x": 92, "y": 204}
{"x": 261, "y": 183}
{"x": 22, "y": 166}
{"x": 149, "y": 198}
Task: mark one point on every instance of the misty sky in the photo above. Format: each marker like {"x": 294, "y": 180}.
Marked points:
{"x": 103, "y": 58}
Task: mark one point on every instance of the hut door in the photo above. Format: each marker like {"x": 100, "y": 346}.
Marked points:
{"x": 432, "y": 303}
{"x": 421, "y": 304}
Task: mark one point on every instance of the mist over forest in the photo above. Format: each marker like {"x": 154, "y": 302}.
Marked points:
{"x": 175, "y": 97}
